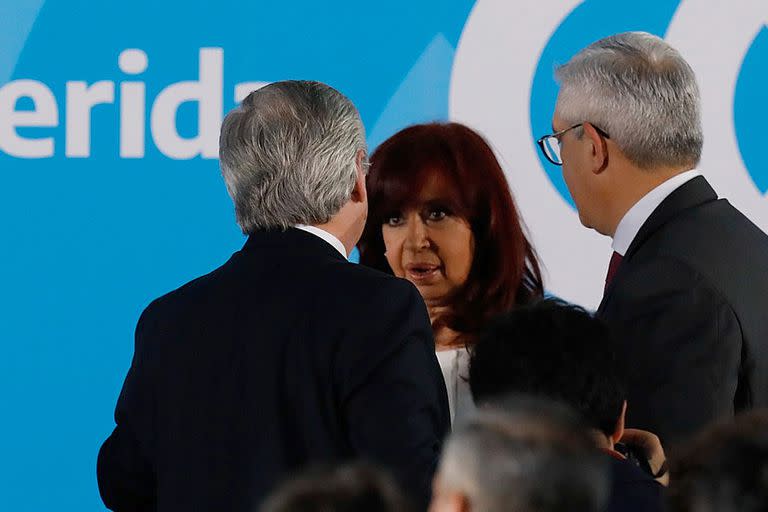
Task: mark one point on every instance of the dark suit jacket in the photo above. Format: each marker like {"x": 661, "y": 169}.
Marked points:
{"x": 286, "y": 355}
{"x": 632, "y": 490}
{"x": 689, "y": 309}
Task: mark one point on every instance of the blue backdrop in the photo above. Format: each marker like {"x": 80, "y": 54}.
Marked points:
{"x": 89, "y": 237}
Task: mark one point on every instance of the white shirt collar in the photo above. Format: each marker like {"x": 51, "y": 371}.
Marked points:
{"x": 634, "y": 219}
{"x": 321, "y": 233}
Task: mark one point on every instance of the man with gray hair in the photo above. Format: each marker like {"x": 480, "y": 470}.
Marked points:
{"x": 287, "y": 354}
{"x": 687, "y": 288}
{"x": 523, "y": 455}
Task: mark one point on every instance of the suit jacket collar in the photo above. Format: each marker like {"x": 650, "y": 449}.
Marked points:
{"x": 689, "y": 195}
{"x": 292, "y": 238}
{"x": 636, "y": 216}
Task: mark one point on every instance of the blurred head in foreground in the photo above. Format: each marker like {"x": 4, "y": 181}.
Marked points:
{"x": 529, "y": 456}
{"x": 350, "y": 488}
{"x": 724, "y": 469}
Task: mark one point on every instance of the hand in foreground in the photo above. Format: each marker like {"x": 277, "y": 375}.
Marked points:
{"x": 650, "y": 444}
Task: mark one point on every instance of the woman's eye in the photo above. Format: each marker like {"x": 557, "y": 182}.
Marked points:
{"x": 437, "y": 214}
{"x": 393, "y": 220}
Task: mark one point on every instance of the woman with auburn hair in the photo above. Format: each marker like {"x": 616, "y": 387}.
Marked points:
{"x": 441, "y": 215}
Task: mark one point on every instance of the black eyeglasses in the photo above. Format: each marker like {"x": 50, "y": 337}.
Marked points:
{"x": 550, "y": 144}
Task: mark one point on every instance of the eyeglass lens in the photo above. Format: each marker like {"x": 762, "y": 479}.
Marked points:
{"x": 552, "y": 147}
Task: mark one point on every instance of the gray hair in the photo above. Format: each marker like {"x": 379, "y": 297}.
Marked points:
{"x": 536, "y": 460}
{"x": 288, "y": 155}
{"x": 639, "y": 90}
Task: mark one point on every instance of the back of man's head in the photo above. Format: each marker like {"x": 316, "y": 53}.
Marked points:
{"x": 351, "y": 488}
{"x": 553, "y": 350}
{"x": 525, "y": 455}
{"x": 289, "y": 155}
{"x": 724, "y": 469}
{"x": 641, "y": 91}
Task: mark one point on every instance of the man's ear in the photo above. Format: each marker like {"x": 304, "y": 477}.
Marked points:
{"x": 618, "y": 432}
{"x": 598, "y": 147}
{"x": 359, "y": 193}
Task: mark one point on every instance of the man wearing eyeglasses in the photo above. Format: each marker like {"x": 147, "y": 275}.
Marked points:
{"x": 686, "y": 292}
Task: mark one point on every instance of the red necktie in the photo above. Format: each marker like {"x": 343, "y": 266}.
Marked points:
{"x": 613, "y": 266}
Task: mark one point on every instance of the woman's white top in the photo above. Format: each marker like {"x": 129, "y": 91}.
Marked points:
{"x": 455, "y": 366}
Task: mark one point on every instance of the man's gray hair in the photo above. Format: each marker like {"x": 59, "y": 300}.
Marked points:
{"x": 639, "y": 90}
{"x": 288, "y": 155}
{"x": 536, "y": 457}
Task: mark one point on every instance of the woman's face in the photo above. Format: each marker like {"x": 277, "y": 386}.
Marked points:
{"x": 429, "y": 245}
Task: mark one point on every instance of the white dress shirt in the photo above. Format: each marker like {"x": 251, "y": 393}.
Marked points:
{"x": 454, "y": 364}
{"x": 323, "y": 234}
{"x": 634, "y": 219}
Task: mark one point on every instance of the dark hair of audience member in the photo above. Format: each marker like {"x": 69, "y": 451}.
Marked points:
{"x": 724, "y": 468}
{"x": 505, "y": 271}
{"x": 350, "y": 488}
{"x": 554, "y": 350}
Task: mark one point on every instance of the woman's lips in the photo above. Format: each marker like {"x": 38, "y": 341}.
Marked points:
{"x": 422, "y": 274}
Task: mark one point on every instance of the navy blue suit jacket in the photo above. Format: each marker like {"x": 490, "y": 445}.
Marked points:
{"x": 285, "y": 356}
{"x": 689, "y": 310}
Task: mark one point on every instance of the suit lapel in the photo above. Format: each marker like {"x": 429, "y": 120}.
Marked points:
{"x": 689, "y": 195}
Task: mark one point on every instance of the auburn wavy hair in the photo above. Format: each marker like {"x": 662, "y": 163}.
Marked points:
{"x": 505, "y": 270}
